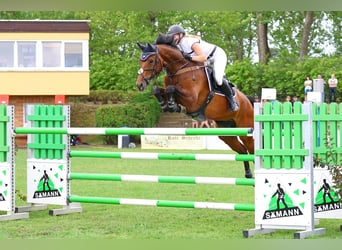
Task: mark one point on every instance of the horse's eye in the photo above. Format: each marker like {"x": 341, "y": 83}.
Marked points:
{"x": 151, "y": 61}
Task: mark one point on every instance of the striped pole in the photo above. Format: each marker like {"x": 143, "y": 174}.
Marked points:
{"x": 163, "y": 203}
{"x": 162, "y": 179}
{"x": 162, "y": 156}
{"x": 138, "y": 131}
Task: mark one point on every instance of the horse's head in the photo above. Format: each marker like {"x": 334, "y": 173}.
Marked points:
{"x": 150, "y": 65}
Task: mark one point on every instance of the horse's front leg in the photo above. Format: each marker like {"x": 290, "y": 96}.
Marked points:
{"x": 171, "y": 100}
{"x": 160, "y": 95}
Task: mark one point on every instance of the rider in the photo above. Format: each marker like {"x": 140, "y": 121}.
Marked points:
{"x": 197, "y": 50}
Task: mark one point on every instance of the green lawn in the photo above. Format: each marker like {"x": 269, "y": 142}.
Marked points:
{"x": 141, "y": 222}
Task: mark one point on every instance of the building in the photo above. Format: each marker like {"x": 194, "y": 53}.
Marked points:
{"x": 42, "y": 62}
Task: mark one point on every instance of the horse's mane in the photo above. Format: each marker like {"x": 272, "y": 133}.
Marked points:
{"x": 165, "y": 39}
{"x": 150, "y": 49}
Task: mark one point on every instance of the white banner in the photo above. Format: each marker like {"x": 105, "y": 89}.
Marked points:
{"x": 47, "y": 181}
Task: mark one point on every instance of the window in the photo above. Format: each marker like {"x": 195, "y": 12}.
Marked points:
{"x": 51, "y": 54}
{"x": 26, "y": 54}
{"x": 73, "y": 54}
{"x": 6, "y": 54}
{"x": 70, "y": 55}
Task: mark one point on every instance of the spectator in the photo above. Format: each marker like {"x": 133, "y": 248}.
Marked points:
{"x": 288, "y": 99}
{"x": 256, "y": 98}
{"x": 294, "y": 99}
{"x": 319, "y": 84}
{"x": 332, "y": 88}
{"x": 307, "y": 86}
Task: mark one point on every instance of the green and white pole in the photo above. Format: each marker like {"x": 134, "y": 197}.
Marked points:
{"x": 162, "y": 179}
{"x": 138, "y": 131}
{"x": 163, "y": 203}
{"x": 162, "y": 156}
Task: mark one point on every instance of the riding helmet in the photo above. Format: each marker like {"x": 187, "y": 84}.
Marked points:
{"x": 175, "y": 29}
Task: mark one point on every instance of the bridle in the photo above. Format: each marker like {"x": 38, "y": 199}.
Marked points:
{"x": 154, "y": 74}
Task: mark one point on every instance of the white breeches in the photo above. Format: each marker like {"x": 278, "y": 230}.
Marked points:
{"x": 219, "y": 64}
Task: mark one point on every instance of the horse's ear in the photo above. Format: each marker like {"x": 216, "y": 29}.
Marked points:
{"x": 141, "y": 46}
{"x": 150, "y": 47}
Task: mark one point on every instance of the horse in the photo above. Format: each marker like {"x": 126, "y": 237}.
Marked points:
{"x": 187, "y": 85}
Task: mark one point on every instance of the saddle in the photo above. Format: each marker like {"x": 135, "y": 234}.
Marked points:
{"x": 213, "y": 86}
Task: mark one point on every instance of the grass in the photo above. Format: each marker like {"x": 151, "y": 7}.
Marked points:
{"x": 141, "y": 222}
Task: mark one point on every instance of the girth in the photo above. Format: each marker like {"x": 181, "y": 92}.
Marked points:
{"x": 199, "y": 114}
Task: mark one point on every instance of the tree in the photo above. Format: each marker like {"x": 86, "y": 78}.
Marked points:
{"x": 306, "y": 34}
{"x": 334, "y": 19}
{"x": 263, "y": 48}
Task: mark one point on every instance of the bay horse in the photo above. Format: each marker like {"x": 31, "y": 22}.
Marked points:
{"x": 186, "y": 84}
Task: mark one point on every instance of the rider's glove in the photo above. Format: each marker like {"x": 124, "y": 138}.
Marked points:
{"x": 187, "y": 56}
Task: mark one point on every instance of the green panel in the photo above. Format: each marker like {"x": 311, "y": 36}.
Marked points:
{"x": 42, "y": 146}
{"x": 271, "y": 118}
{"x": 50, "y": 137}
{"x": 4, "y": 119}
{"x": 46, "y": 145}
{"x": 315, "y": 129}
{"x": 298, "y": 137}
{"x": 327, "y": 122}
{"x": 288, "y": 135}
{"x": 284, "y": 152}
{"x": 58, "y": 139}
{"x": 333, "y": 135}
{"x": 277, "y": 137}
{"x": 267, "y": 160}
{"x": 322, "y": 130}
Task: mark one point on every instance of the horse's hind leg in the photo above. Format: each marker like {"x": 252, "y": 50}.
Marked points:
{"x": 237, "y": 146}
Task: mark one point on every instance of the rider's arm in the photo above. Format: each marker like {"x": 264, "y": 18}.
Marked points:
{"x": 199, "y": 53}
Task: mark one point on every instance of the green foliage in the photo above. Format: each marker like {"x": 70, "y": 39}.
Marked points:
{"x": 248, "y": 77}
{"x": 104, "y": 97}
{"x": 142, "y": 110}
{"x": 285, "y": 74}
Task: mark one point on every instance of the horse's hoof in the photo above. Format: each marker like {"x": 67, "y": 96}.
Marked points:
{"x": 249, "y": 175}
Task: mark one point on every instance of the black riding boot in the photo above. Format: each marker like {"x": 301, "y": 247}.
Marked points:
{"x": 227, "y": 90}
